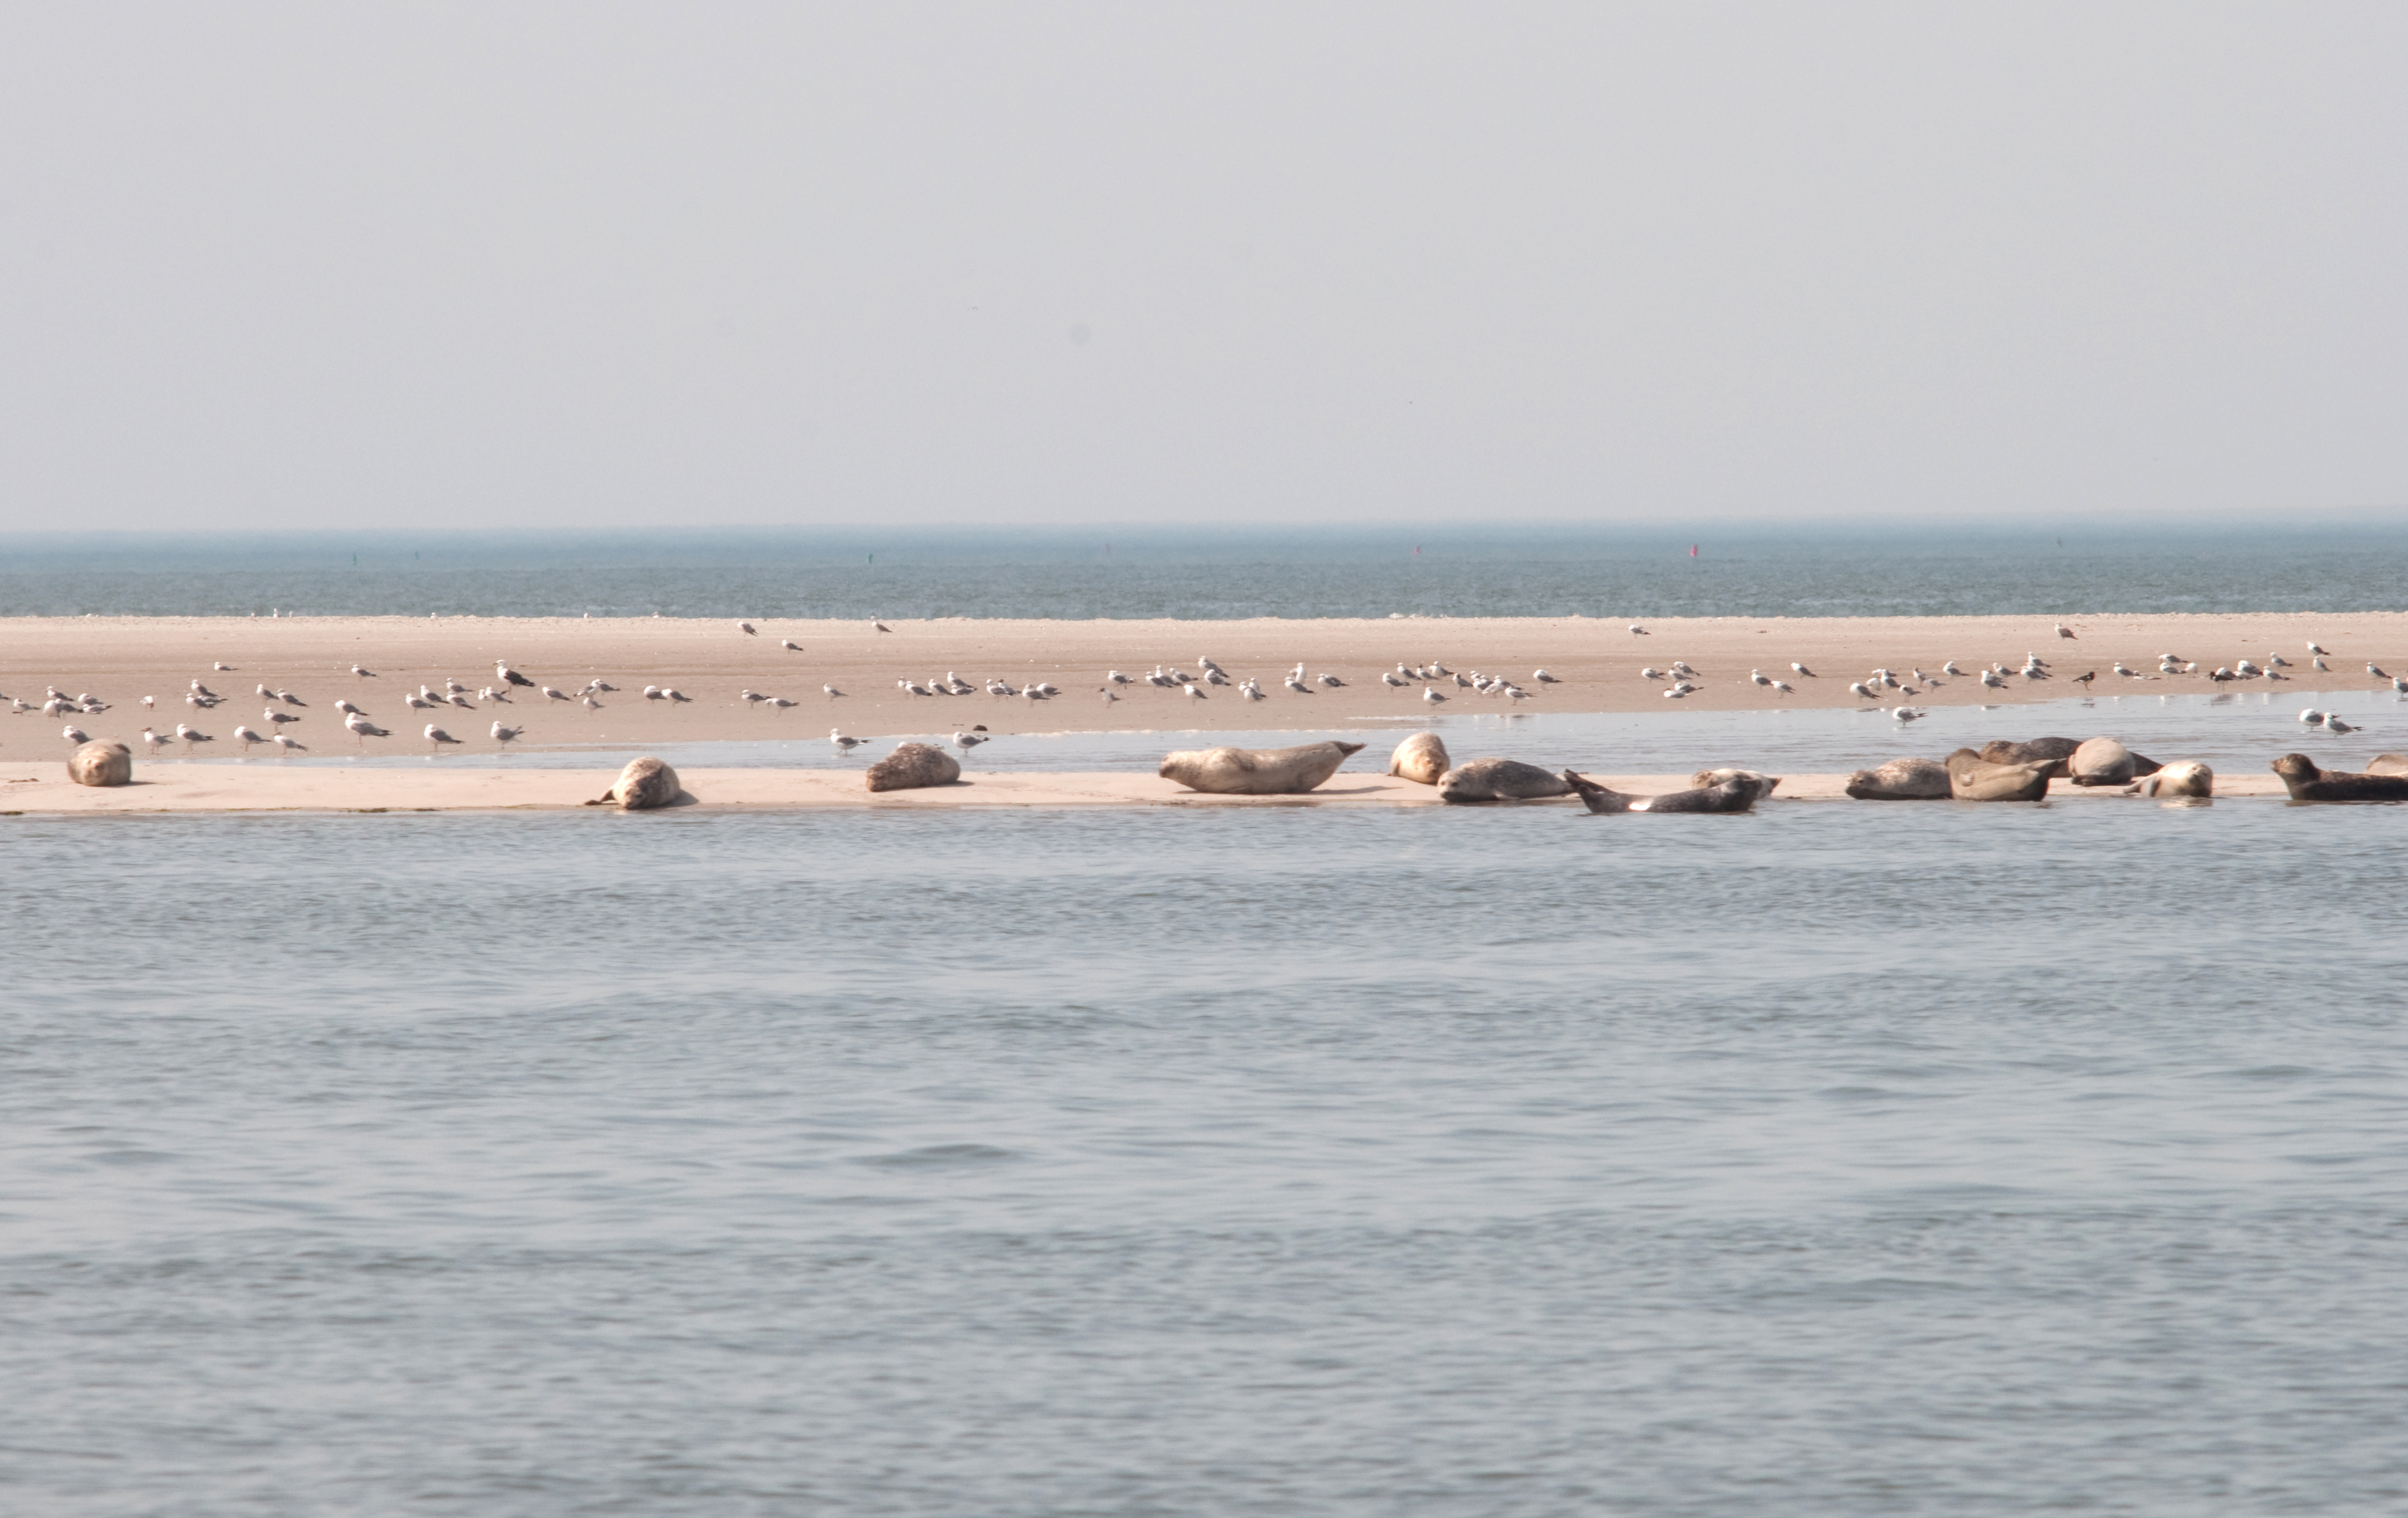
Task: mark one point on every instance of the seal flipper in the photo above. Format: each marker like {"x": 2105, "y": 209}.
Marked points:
{"x": 1597, "y": 797}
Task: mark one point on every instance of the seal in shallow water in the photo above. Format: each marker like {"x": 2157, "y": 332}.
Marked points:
{"x": 2183, "y": 777}
{"x": 645, "y": 785}
{"x": 1258, "y": 771}
{"x": 1901, "y": 779}
{"x": 2306, "y": 783}
{"x": 913, "y": 766}
{"x": 1733, "y": 795}
{"x": 2057, "y": 750}
{"x": 1420, "y": 758}
{"x": 102, "y": 762}
{"x": 1972, "y": 778}
{"x": 1499, "y": 779}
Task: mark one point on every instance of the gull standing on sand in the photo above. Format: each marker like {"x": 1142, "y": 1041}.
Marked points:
{"x": 1861, "y": 691}
{"x": 832, "y": 692}
{"x": 2063, "y": 631}
{"x": 185, "y": 731}
{"x": 1394, "y": 683}
{"x": 746, "y": 628}
{"x": 1429, "y": 694}
{"x": 2314, "y": 647}
{"x": 505, "y": 735}
{"x": 591, "y": 705}
{"x": 1783, "y": 687}
{"x": 1111, "y": 695}
{"x": 364, "y": 674}
{"x": 1798, "y": 668}
{"x": 1637, "y": 630}
{"x": 1297, "y": 685}
{"x": 503, "y": 672}
{"x": 245, "y": 737}
{"x": 276, "y": 720}
{"x": 652, "y": 692}
{"x": 2310, "y": 716}
{"x": 438, "y": 737}
{"x": 1195, "y": 693}
{"x": 1544, "y": 678}
{"x": 285, "y": 745}
{"x": 363, "y": 729}
{"x": 776, "y": 703}
{"x": 790, "y": 644}
{"x": 155, "y": 741}
{"x": 77, "y": 735}
{"x": 1757, "y": 677}
{"x": 547, "y": 693}
{"x": 1650, "y": 672}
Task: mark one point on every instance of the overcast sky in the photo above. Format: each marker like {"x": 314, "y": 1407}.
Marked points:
{"x": 535, "y": 264}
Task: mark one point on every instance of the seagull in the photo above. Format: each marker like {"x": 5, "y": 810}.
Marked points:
{"x": 494, "y": 693}
{"x": 2334, "y": 724}
{"x": 1676, "y": 692}
{"x": 461, "y": 700}
{"x": 286, "y": 745}
{"x": 2377, "y": 670}
{"x": 1214, "y": 676}
{"x": 545, "y": 691}
{"x": 598, "y": 687}
{"x": 1299, "y": 686}
{"x": 1116, "y": 678}
{"x": 914, "y": 687}
{"x": 185, "y": 732}
{"x": 1680, "y": 667}
{"x": 2399, "y": 683}
{"x": 363, "y": 729}
{"x": 1429, "y": 694}
{"x": 1651, "y": 673}
{"x": 503, "y": 734}
{"x": 1394, "y": 683}
{"x": 844, "y": 744}
{"x": 146, "y": 703}
{"x": 652, "y": 692}
{"x": 776, "y": 703}
{"x": 1033, "y": 692}
{"x": 832, "y": 692}
{"x": 2063, "y": 631}
{"x": 967, "y": 741}
{"x": 591, "y": 705}
{"x": 438, "y": 737}
{"x": 290, "y": 699}
{"x": 364, "y": 674}
{"x": 881, "y": 626}
{"x": 1906, "y": 714}
{"x": 1111, "y": 695}
{"x": 1637, "y": 630}
{"x": 507, "y": 676}
{"x": 247, "y": 738}
{"x": 1197, "y": 692}
{"x": 1759, "y": 676}
{"x": 2314, "y": 647}
{"x": 751, "y": 696}
{"x": 746, "y": 628}
{"x": 2243, "y": 666}
{"x": 2321, "y": 665}
{"x": 1801, "y": 669}
{"x": 223, "y": 664}
{"x": 790, "y": 643}
{"x": 1207, "y": 663}
{"x": 674, "y": 695}
{"x": 2275, "y": 661}
{"x": 1783, "y": 687}
{"x": 1992, "y": 679}
{"x": 278, "y": 719}
{"x": 77, "y": 735}
{"x": 1950, "y": 669}
{"x": 1513, "y": 693}
{"x": 1544, "y": 678}
{"x": 1252, "y": 691}
{"x": 155, "y": 740}
{"x": 452, "y": 687}
{"x": 198, "y": 689}
{"x": 266, "y": 694}
{"x": 2130, "y": 674}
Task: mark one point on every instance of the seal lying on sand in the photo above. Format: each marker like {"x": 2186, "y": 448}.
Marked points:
{"x": 2102, "y": 761}
{"x": 1734, "y": 795}
{"x": 1706, "y": 780}
{"x": 1498, "y": 780}
{"x": 102, "y": 762}
{"x": 645, "y": 784}
{"x": 1901, "y": 779}
{"x": 1258, "y": 771}
{"x": 2061, "y": 750}
{"x": 1970, "y": 778}
{"x": 1421, "y": 758}
{"x": 2387, "y": 763}
{"x": 2184, "y": 777}
{"x": 2306, "y": 783}
{"x": 913, "y": 766}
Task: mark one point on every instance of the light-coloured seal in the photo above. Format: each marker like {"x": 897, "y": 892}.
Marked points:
{"x": 913, "y": 766}
{"x": 644, "y": 785}
{"x": 1733, "y": 794}
{"x": 1421, "y": 758}
{"x": 2387, "y": 763}
{"x": 1755, "y": 781}
{"x": 2101, "y": 761}
{"x": 1972, "y": 778}
{"x": 2306, "y": 783}
{"x": 101, "y": 762}
{"x": 2183, "y": 777}
{"x": 1258, "y": 771}
{"x": 1499, "y": 779}
{"x": 1901, "y": 779}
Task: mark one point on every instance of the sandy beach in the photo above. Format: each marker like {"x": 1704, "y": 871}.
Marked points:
{"x": 1598, "y": 667}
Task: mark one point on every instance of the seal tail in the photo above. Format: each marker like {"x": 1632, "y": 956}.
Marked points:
{"x": 1594, "y": 796}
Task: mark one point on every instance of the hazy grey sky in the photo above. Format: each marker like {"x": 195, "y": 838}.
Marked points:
{"x": 530, "y": 264}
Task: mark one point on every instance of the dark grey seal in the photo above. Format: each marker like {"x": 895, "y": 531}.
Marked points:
{"x": 1733, "y": 795}
{"x": 1498, "y": 780}
{"x": 2306, "y": 783}
{"x": 913, "y": 766}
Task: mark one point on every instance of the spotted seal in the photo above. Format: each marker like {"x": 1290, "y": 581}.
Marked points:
{"x": 1901, "y": 779}
{"x": 101, "y": 762}
{"x": 2183, "y": 777}
{"x": 2306, "y": 783}
{"x": 1706, "y": 780}
{"x": 1420, "y": 758}
{"x": 645, "y": 785}
{"x": 1258, "y": 771}
{"x": 1499, "y": 779}
{"x": 1970, "y": 778}
{"x": 913, "y": 766}
{"x": 1733, "y": 794}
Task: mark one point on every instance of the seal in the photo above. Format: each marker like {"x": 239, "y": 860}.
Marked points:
{"x": 1420, "y": 758}
{"x": 102, "y": 762}
{"x": 1970, "y": 778}
{"x": 1901, "y": 779}
{"x": 2387, "y": 763}
{"x": 1499, "y": 779}
{"x": 1258, "y": 771}
{"x": 2102, "y": 761}
{"x": 1733, "y": 795}
{"x": 913, "y": 766}
{"x": 1706, "y": 780}
{"x": 2306, "y": 783}
{"x": 2183, "y": 777}
{"x": 2057, "y": 750}
{"x": 645, "y": 785}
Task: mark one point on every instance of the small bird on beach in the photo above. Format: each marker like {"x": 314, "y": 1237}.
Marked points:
{"x": 223, "y": 664}
{"x": 2377, "y": 670}
{"x": 2063, "y": 631}
{"x": 1757, "y": 677}
{"x": 1950, "y": 669}
{"x": 1861, "y": 691}
{"x": 1544, "y": 678}
{"x": 1394, "y": 683}
{"x": 1299, "y": 686}
{"x": 1111, "y": 695}
{"x": 1906, "y": 714}
{"x": 155, "y": 741}
{"x": 278, "y": 719}
{"x": 191, "y": 737}
{"x": 506, "y": 735}
{"x": 77, "y": 735}
{"x": 1796, "y": 668}
{"x": 674, "y": 695}
{"x": 289, "y": 698}
{"x": 361, "y": 728}
{"x": 1993, "y": 680}
{"x": 832, "y": 692}
{"x": 776, "y": 703}
{"x": 245, "y": 737}
{"x": 286, "y": 745}
{"x": 1650, "y": 672}
{"x": 507, "y": 676}
{"x": 598, "y": 687}
{"x": 2275, "y": 661}
{"x": 844, "y": 744}
{"x": 364, "y": 674}
{"x": 881, "y": 626}
{"x": 1783, "y": 687}
{"x": 746, "y": 628}
{"x": 2399, "y": 683}
{"x": 652, "y": 692}
{"x": 2128, "y": 674}
{"x": 790, "y": 644}
{"x": 1637, "y": 630}
{"x": 438, "y": 737}
{"x": 591, "y": 705}
{"x": 1252, "y": 691}
{"x": 2084, "y": 680}
{"x": 2321, "y": 666}
{"x": 1195, "y": 693}
{"x": 1429, "y": 694}
{"x": 550, "y": 694}
{"x": 2314, "y": 647}
{"x": 2334, "y": 724}
{"x": 967, "y": 741}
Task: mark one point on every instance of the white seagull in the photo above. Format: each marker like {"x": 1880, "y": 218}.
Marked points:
{"x": 844, "y": 744}
{"x": 967, "y": 741}
{"x": 505, "y": 735}
{"x": 438, "y": 737}
{"x": 247, "y": 738}
{"x": 363, "y": 729}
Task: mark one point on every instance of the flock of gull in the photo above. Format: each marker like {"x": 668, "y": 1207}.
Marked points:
{"x": 1434, "y": 682}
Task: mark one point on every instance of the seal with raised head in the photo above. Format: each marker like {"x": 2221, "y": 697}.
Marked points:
{"x": 2057, "y": 750}
{"x": 1972, "y": 778}
{"x": 101, "y": 762}
{"x": 2183, "y": 777}
{"x": 1258, "y": 771}
{"x": 2306, "y": 783}
{"x": 913, "y": 766}
{"x": 1901, "y": 779}
{"x": 1733, "y": 795}
{"x": 1757, "y": 780}
{"x": 1420, "y": 758}
{"x": 1499, "y": 779}
{"x": 645, "y": 785}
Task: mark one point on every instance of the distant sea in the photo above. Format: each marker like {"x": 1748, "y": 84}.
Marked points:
{"x": 1079, "y": 573}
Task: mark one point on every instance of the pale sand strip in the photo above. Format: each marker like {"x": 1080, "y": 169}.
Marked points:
{"x": 36, "y": 789}
{"x": 124, "y": 659}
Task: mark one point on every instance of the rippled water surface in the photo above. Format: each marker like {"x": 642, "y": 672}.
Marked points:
{"x": 1828, "y": 1160}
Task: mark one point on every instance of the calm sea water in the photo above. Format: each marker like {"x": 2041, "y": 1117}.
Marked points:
{"x": 1828, "y": 1160}
{"x": 1498, "y": 570}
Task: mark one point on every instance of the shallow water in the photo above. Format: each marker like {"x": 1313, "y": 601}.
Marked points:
{"x": 1825, "y": 1160}
{"x": 1489, "y": 570}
